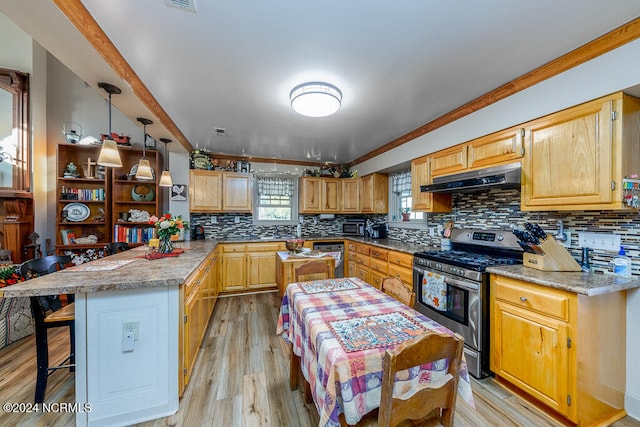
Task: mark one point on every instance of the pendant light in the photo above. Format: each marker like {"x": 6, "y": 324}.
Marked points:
{"x": 165, "y": 179}
{"x": 144, "y": 167}
{"x": 109, "y": 154}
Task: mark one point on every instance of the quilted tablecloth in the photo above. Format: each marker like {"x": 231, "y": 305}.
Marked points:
{"x": 340, "y": 329}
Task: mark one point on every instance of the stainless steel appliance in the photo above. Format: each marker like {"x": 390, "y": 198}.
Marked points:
{"x": 503, "y": 176}
{"x": 467, "y": 286}
{"x": 332, "y": 247}
{"x": 353, "y": 227}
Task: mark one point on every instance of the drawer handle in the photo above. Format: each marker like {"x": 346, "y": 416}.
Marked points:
{"x": 523, "y": 299}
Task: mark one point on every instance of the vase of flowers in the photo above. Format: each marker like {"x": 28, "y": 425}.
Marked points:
{"x": 167, "y": 226}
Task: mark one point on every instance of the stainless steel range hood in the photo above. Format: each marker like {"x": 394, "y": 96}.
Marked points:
{"x": 503, "y": 176}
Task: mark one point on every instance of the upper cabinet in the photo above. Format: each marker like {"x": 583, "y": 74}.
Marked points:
{"x": 350, "y": 188}
{"x": 374, "y": 193}
{"x": 450, "y": 160}
{"x": 319, "y": 195}
{"x": 215, "y": 191}
{"x": 576, "y": 159}
{"x": 426, "y": 202}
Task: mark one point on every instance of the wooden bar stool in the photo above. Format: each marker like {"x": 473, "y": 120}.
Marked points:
{"x": 48, "y": 313}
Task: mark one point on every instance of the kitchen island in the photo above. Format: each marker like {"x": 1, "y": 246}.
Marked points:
{"x": 560, "y": 337}
{"x": 287, "y": 262}
{"x": 125, "y": 382}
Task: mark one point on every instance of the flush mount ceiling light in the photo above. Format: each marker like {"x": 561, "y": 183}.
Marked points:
{"x": 315, "y": 99}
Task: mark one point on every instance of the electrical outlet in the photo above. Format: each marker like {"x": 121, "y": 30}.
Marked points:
{"x": 133, "y": 328}
{"x": 237, "y": 219}
{"x": 604, "y": 241}
{"x": 432, "y": 232}
{"x": 214, "y": 219}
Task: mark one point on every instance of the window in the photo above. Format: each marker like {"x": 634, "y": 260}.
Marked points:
{"x": 401, "y": 198}
{"x": 276, "y": 200}
{"x": 14, "y": 131}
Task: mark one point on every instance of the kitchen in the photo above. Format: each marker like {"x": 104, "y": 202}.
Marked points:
{"x": 490, "y": 209}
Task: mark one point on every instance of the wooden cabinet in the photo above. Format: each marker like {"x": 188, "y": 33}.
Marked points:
{"x": 400, "y": 265}
{"x": 198, "y": 295}
{"x": 129, "y": 193}
{"x": 363, "y": 260}
{"x": 350, "y": 190}
{"x": 576, "y": 159}
{"x": 83, "y": 203}
{"x": 249, "y": 266}
{"x": 426, "y": 202}
{"x": 497, "y": 148}
{"x": 374, "y": 193}
{"x": 450, "y": 160}
{"x": 319, "y": 195}
{"x": 216, "y": 191}
{"x": 563, "y": 349}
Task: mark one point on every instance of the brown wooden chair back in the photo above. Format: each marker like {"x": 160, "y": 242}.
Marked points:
{"x": 399, "y": 290}
{"x": 434, "y": 403}
{"x": 314, "y": 270}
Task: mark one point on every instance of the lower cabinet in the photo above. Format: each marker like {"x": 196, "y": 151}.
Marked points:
{"x": 249, "y": 266}
{"x": 198, "y": 295}
{"x": 563, "y": 349}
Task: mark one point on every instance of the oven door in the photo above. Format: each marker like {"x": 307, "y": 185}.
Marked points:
{"x": 462, "y": 312}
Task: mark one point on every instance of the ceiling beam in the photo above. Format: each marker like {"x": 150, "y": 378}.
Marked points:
{"x": 620, "y": 36}
{"x": 80, "y": 17}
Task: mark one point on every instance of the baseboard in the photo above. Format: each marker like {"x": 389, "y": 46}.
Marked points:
{"x": 632, "y": 406}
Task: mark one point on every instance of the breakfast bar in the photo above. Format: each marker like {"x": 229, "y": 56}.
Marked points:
{"x": 124, "y": 382}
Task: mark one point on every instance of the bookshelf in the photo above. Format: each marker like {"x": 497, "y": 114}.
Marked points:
{"x": 82, "y": 199}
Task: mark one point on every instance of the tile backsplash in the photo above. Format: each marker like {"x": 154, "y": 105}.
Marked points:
{"x": 491, "y": 209}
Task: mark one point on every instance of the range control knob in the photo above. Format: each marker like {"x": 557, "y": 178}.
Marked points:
{"x": 500, "y": 237}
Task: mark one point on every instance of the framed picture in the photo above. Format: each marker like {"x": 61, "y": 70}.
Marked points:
{"x": 179, "y": 192}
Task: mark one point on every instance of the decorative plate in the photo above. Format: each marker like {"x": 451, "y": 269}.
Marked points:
{"x": 134, "y": 170}
{"x": 77, "y": 211}
{"x": 201, "y": 161}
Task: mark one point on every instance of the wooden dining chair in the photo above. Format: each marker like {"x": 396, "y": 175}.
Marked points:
{"x": 115, "y": 247}
{"x": 314, "y": 270}
{"x": 48, "y": 313}
{"x": 433, "y": 405}
{"x": 399, "y": 290}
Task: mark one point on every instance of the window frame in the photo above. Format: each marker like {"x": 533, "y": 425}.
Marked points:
{"x": 294, "y": 202}
{"x": 17, "y": 84}
{"x": 394, "y": 211}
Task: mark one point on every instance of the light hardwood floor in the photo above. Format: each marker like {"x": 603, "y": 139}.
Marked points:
{"x": 241, "y": 379}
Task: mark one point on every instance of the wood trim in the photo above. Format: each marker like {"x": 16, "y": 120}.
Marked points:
{"x": 603, "y": 44}
{"x": 80, "y": 17}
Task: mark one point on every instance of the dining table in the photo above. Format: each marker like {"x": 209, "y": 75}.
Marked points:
{"x": 340, "y": 330}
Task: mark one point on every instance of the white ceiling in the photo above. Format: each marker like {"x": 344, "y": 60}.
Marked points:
{"x": 399, "y": 64}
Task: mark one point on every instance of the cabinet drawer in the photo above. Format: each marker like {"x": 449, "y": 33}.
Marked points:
{"x": 400, "y": 258}
{"x": 351, "y": 247}
{"x": 362, "y": 260}
{"x": 378, "y": 253}
{"x": 378, "y": 266}
{"x": 405, "y": 274}
{"x": 363, "y": 249}
{"x": 233, "y": 248}
{"x": 259, "y": 247}
{"x": 548, "y": 301}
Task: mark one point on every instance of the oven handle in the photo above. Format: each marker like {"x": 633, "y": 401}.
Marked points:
{"x": 472, "y": 286}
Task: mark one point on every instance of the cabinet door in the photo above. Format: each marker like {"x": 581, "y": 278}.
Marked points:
{"x": 205, "y": 191}
{"x": 500, "y": 147}
{"x": 531, "y": 351}
{"x": 426, "y": 202}
{"x": 362, "y": 272}
{"x": 374, "y": 193}
{"x": 376, "y": 279}
{"x": 310, "y": 201}
{"x": 448, "y": 161}
{"x": 233, "y": 272}
{"x": 568, "y": 158}
{"x": 261, "y": 269}
{"x": 237, "y": 192}
{"x": 350, "y": 195}
{"x": 366, "y": 194}
{"x": 191, "y": 333}
{"x": 330, "y": 195}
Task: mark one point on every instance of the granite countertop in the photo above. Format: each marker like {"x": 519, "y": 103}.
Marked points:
{"x": 589, "y": 284}
{"x": 139, "y": 273}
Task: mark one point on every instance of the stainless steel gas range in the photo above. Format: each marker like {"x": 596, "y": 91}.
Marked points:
{"x": 460, "y": 274}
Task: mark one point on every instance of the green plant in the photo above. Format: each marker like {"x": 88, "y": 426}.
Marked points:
{"x": 405, "y": 210}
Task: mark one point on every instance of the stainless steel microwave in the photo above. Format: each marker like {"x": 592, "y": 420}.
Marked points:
{"x": 353, "y": 228}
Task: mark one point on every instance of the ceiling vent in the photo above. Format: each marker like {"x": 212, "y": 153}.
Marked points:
{"x": 220, "y": 131}
{"x": 189, "y": 5}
